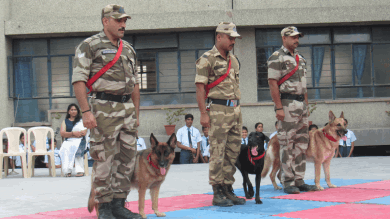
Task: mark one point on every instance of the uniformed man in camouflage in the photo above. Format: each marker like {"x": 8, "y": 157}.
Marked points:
{"x": 112, "y": 113}
{"x": 291, "y": 103}
{"x": 224, "y": 115}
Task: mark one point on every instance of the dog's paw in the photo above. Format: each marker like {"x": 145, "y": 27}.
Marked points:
{"x": 278, "y": 188}
{"x": 160, "y": 214}
{"x": 332, "y": 186}
{"x": 143, "y": 215}
{"x": 258, "y": 201}
{"x": 319, "y": 188}
{"x": 248, "y": 197}
{"x": 251, "y": 192}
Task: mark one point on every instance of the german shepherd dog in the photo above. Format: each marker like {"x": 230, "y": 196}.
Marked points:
{"x": 321, "y": 149}
{"x": 151, "y": 167}
{"x": 251, "y": 161}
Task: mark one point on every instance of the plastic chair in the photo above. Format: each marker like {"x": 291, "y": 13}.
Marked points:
{"x": 40, "y": 134}
{"x": 13, "y": 135}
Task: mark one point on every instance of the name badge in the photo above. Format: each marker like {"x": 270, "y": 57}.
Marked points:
{"x": 109, "y": 51}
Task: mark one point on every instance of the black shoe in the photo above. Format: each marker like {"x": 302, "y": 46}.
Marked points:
{"x": 229, "y": 192}
{"x": 105, "y": 211}
{"x": 119, "y": 210}
{"x": 220, "y": 198}
{"x": 307, "y": 188}
{"x": 291, "y": 190}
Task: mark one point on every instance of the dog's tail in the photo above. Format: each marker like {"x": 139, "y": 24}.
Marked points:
{"x": 269, "y": 158}
{"x": 91, "y": 200}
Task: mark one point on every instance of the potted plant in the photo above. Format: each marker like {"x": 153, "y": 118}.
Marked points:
{"x": 172, "y": 116}
{"x": 311, "y": 108}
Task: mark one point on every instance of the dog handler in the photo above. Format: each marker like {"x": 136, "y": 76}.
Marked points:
{"x": 224, "y": 113}
{"x": 113, "y": 110}
{"x": 287, "y": 83}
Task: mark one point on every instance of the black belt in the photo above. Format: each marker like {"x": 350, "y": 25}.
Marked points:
{"x": 292, "y": 97}
{"x": 224, "y": 102}
{"x": 112, "y": 97}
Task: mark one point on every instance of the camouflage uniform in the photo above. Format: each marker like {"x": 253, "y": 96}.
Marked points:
{"x": 293, "y": 130}
{"x": 113, "y": 141}
{"x": 226, "y": 121}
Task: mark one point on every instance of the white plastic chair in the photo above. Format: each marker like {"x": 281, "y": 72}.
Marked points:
{"x": 13, "y": 135}
{"x": 40, "y": 134}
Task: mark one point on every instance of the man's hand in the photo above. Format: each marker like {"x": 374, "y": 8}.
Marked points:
{"x": 193, "y": 150}
{"x": 280, "y": 115}
{"x": 195, "y": 160}
{"x": 204, "y": 120}
{"x": 137, "y": 122}
{"x": 89, "y": 120}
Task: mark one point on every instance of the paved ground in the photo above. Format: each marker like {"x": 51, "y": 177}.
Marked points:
{"x": 22, "y": 197}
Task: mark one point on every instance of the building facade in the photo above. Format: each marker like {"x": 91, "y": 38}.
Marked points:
{"x": 345, "y": 45}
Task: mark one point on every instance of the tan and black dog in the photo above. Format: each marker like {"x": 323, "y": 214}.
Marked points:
{"x": 151, "y": 167}
{"x": 322, "y": 145}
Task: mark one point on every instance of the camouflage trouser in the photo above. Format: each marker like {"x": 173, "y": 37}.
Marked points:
{"x": 293, "y": 139}
{"x": 113, "y": 147}
{"x": 225, "y": 143}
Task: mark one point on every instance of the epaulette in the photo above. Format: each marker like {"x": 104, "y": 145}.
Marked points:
{"x": 239, "y": 63}
{"x": 130, "y": 46}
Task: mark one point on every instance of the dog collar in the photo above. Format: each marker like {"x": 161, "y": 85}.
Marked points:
{"x": 254, "y": 158}
{"x": 150, "y": 161}
{"x": 329, "y": 137}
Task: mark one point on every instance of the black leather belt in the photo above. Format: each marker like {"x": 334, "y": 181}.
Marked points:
{"x": 224, "y": 102}
{"x": 292, "y": 97}
{"x": 112, "y": 97}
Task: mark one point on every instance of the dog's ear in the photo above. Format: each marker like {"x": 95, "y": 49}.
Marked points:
{"x": 172, "y": 141}
{"x": 332, "y": 117}
{"x": 342, "y": 115}
{"x": 153, "y": 141}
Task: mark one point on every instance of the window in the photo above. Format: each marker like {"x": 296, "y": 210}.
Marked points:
{"x": 40, "y": 71}
{"x": 342, "y": 62}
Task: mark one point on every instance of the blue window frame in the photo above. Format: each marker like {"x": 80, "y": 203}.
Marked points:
{"x": 40, "y": 71}
{"x": 342, "y": 62}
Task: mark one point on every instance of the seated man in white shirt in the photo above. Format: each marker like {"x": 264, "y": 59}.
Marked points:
{"x": 57, "y": 159}
{"x": 244, "y": 136}
{"x": 205, "y": 146}
{"x": 17, "y": 159}
{"x": 188, "y": 140}
{"x": 259, "y": 128}
{"x": 140, "y": 143}
{"x": 346, "y": 147}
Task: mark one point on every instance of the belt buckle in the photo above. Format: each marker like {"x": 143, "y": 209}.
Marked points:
{"x": 124, "y": 98}
{"x": 301, "y": 98}
{"x": 233, "y": 103}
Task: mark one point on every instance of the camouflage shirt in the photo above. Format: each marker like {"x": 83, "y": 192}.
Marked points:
{"x": 94, "y": 53}
{"x": 281, "y": 63}
{"x": 211, "y": 66}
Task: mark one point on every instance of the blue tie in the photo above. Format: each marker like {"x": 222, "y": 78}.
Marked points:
{"x": 189, "y": 137}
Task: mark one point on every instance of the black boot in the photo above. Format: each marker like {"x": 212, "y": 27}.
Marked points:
{"x": 119, "y": 210}
{"x": 229, "y": 192}
{"x": 105, "y": 211}
{"x": 307, "y": 188}
{"x": 220, "y": 198}
{"x": 291, "y": 190}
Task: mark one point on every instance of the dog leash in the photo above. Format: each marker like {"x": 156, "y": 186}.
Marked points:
{"x": 150, "y": 161}
{"x": 328, "y": 136}
{"x": 255, "y": 158}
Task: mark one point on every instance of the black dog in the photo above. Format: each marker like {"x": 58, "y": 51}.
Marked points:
{"x": 251, "y": 161}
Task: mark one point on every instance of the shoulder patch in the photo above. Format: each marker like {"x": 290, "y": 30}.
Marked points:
{"x": 239, "y": 63}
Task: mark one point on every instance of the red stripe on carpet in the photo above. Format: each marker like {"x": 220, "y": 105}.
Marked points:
{"x": 355, "y": 211}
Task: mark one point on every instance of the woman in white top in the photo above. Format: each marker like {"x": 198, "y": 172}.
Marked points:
{"x": 72, "y": 149}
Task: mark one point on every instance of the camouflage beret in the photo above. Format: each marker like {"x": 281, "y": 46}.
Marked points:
{"x": 228, "y": 28}
{"x": 291, "y": 31}
{"x": 114, "y": 11}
